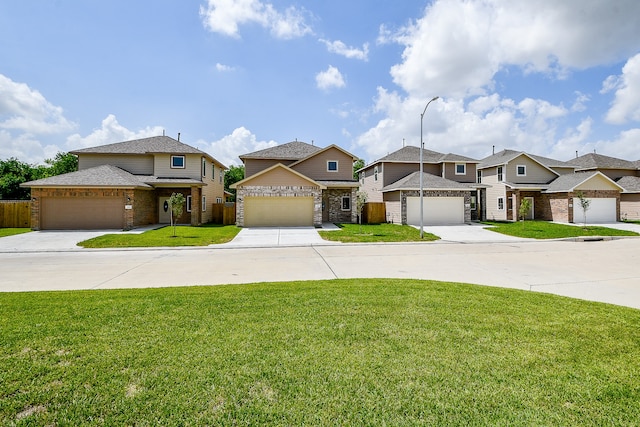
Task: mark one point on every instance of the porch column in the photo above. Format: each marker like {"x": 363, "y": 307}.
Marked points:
{"x": 196, "y": 211}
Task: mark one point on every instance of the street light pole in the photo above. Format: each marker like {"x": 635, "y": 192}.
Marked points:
{"x": 421, "y": 168}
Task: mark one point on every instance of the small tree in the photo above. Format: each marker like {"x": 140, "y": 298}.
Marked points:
{"x": 584, "y": 204}
{"x": 525, "y": 207}
{"x": 361, "y": 199}
{"x": 176, "y": 206}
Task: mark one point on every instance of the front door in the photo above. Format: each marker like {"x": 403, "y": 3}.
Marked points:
{"x": 164, "y": 213}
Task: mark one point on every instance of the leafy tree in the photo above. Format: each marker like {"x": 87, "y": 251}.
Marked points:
{"x": 525, "y": 207}
{"x": 584, "y": 204}
{"x": 176, "y": 206}
{"x": 231, "y": 176}
{"x": 13, "y": 172}
{"x": 358, "y": 164}
{"x": 62, "y": 163}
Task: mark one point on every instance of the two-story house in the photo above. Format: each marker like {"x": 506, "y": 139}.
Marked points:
{"x": 450, "y": 192}
{"x": 296, "y": 184}
{"x": 127, "y": 184}
{"x": 624, "y": 172}
{"x": 552, "y": 187}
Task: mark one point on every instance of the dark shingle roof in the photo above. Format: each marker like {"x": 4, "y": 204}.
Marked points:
{"x": 429, "y": 182}
{"x": 506, "y": 156}
{"x": 570, "y": 181}
{"x": 631, "y": 184}
{"x": 154, "y": 144}
{"x": 411, "y": 154}
{"x": 598, "y": 161}
{"x": 295, "y": 150}
{"x": 106, "y": 176}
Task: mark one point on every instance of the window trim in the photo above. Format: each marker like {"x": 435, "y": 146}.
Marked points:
{"x": 342, "y": 200}
{"x": 218, "y": 199}
{"x": 464, "y": 168}
{"x": 375, "y": 173}
{"x": 500, "y": 173}
{"x": 524, "y": 167}
{"x": 204, "y": 203}
{"x": 188, "y": 203}
{"x": 500, "y": 202}
{"x": 332, "y": 170}
{"x": 179, "y": 156}
{"x": 204, "y": 167}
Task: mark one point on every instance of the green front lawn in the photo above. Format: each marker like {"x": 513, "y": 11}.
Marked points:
{"x": 204, "y": 235}
{"x": 4, "y": 232}
{"x": 550, "y": 230}
{"x": 366, "y": 233}
{"x": 341, "y": 352}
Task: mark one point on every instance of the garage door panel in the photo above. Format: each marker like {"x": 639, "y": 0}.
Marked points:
{"x": 72, "y": 213}
{"x": 601, "y": 210}
{"x": 278, "y": 211}
{"x": 436, "y": 210}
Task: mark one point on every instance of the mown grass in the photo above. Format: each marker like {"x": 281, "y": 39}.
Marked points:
{"x": 366, "y": 233}
{"x": 4, "y": 232}
{"x": 550, "y": 230}
{"x": 342, "y": 352}
{"x": 204, "y": 235}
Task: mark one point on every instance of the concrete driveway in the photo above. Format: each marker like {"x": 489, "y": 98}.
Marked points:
{"x": 468, "y": 233}
{"x": 279, "y": 236}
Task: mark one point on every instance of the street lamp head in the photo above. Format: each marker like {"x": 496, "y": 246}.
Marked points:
{"x": 434, "y": 98}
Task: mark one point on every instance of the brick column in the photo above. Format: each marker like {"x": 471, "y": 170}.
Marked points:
{"x": 196, "y": 210}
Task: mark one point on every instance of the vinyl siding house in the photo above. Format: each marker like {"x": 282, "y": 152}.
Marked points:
{"x": 127, "y": 184}
{"x": 450, "y": 196}
{"x": 296, "y": 184}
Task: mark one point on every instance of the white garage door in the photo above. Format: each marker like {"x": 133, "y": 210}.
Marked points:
{"x": 436, "y": 210}
{"x": 78, "y": 213}
{"x": 600, "y": 210}
{"x": 278, "y": 211}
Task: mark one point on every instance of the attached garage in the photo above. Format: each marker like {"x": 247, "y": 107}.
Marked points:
{"x": 436, "y": 210}
{"x": 600, "y": 210}
{"x": 278, "y": 211}
{"x": 79, "y": 213}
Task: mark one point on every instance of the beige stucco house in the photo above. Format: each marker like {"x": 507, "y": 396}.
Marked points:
{"x": 296, "y": 184}
{"x": 127, "y": 184}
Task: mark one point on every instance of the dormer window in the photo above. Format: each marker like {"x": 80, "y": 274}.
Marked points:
{"x": 177, "y": 162}
{"x": 461, "y": 169}
{"x": 332, "y": 166}
{"x": 521, "y": 170}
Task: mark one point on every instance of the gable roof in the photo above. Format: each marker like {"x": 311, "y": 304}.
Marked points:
{"x": 631, "y": 184}
{"x": 295, "y": 150}
{"x": 506, "y": 156}
{"x": 569, "y": 182}
{"x": 429, "y": 182}
{"x": 152, "y": 145}
{"x": 315, "y": 153}
{"x": 276, "y": 166}
{"x": 411, "y": 154}
{"x": 107, "y": 176}
{"x": 598, "y": 161}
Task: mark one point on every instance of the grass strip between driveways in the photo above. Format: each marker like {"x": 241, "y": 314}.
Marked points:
{"x": 341, "y": 352}
{"x": 355, "y": 233}
{"x": 4, "y": 232}
{"x": 551, "y": 230}
{"x": 203, "y": 235}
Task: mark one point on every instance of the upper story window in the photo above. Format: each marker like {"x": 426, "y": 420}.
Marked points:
{"x": 221, "y": 176}
{"x": 204, "y": 167}
{"x": 461, "y": 169}
{"x": 500, "y": 174}
{"x": 177, "y": 162}
{"x": 362, "y": 176}
{"x": 521, "y": 170}
{"x": 213, "y": 171}
{"x": 479, "y": 176}
{"x": 332, "y": 166}
{"x": 375, "y": 173}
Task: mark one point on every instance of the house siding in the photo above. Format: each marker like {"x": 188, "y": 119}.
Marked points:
{"x": 450, "y": 172}
{"x": 372, "y": 187}
{"x": 393, "y": 207}
{"x": 496, "y": 189}
{"x": 630, "y": 207}
{"x": 277, "y": 177}
{"x": 135, "y": 164}
{"x": 316, "y": 166}
{"x": 193, "y": 166}
{"x": 536, "y": 174}
{"x": 253, "y": 166}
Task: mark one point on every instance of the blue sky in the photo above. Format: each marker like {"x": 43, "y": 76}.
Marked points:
{"x": 547, "y": 77}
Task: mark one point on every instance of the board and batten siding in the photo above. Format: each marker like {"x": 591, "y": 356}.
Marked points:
{"x": 135, "y": 164}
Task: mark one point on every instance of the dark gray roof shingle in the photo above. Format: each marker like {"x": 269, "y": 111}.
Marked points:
{"x": 295, "y": 150}
{"x": 429, "y": 182}
{"x": 506, "y": 156}
{"x": 154, "y": 144}
{"x": 569, "y": 181}
{"x": 631, "y": 184}
{"x": 598, "y": 161}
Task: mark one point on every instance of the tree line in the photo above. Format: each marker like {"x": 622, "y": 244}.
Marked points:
{"x": 14, "y": 172}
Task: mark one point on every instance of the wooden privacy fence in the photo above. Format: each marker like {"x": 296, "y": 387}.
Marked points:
{"x": 374, "y": 213}
{"x": 224, "y": 213}
{"x": 15, "y": 214}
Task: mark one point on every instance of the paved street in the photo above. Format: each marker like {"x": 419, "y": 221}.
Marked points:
{"x": 605, "y": 271}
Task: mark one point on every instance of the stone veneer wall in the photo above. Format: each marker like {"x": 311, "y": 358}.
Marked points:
{"x": 334, "y": 199}
{"x": 279, "y": 191}
{"x": 431, "y": 193}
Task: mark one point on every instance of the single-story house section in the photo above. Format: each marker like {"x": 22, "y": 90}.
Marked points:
{"x": 444, "y": 201}
{"x": 630, "y": 198}
{"x": 603, "y": 195}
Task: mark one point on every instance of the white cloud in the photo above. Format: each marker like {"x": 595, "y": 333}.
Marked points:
{"x": 626, "y": 105}
{"x": 224, "y": 68}
{"x": 23, "y": 109}
{"x": 338, "y": 47}
{"x": 225, "y": 16}
{"x": 331, "y": 78}
{"x": 110, "y": 131}
{"x": 228, "y": 148}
